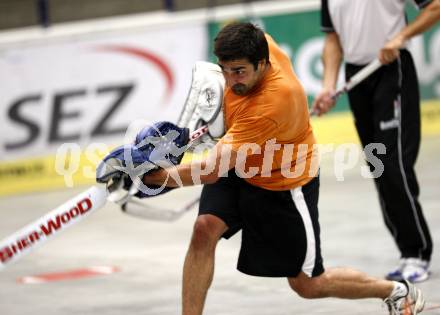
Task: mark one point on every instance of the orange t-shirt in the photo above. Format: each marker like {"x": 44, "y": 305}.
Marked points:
{"x": 275, "y": 110}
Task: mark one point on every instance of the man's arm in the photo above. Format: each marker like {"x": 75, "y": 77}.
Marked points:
{"x": 331, "y": 58}
{"x": 207, "y": 171}
{"x": 425, "y": 20}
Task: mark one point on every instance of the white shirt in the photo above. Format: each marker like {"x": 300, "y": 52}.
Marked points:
{"x": 364, "y": 26}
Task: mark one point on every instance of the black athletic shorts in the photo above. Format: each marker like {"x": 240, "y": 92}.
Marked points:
{"x": 280, "y": 229}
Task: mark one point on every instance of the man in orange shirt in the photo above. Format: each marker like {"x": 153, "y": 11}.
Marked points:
{"x": 262, "y": 180}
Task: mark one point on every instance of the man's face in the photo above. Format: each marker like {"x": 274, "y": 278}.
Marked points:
{"x": 240, "y": 74}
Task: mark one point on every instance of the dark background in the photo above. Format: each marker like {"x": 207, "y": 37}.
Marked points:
{"x": 22, "y": 13}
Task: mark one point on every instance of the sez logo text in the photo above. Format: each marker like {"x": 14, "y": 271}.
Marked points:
{"x": 82, "y": 100}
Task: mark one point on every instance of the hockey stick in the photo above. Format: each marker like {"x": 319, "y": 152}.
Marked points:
{"x": 56, "y": 221}
{"x": 364, "y": 73}
{"x": 142, "y": 210}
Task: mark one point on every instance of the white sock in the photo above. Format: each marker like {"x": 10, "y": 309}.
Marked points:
{"x": 399, "y": 290}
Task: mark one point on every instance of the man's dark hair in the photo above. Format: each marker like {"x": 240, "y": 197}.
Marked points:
{"x": 241, "y": 40}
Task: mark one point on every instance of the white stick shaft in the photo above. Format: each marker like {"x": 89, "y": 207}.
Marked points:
{"x": 359, "y": 77}
{"x": 26, "y": 239}
{"x": 364, "y": 73}
{"x": 143, "y": 210}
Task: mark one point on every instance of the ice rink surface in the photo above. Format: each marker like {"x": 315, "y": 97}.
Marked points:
{"x": 150, "y": 254}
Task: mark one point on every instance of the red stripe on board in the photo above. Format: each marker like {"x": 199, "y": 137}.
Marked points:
{"x": 69, "y": 275}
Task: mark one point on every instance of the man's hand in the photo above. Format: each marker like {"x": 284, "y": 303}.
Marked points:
{"x": 429, "y": 16}
{"x": 390, "y": 51}
{"x": 323, "y": 102}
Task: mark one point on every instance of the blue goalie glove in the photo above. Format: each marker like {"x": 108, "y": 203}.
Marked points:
{"x": 158, "y": 146}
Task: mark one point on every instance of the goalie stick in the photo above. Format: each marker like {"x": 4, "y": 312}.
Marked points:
{"x": 137, "y": 208}
{"x": 22, "y": 242}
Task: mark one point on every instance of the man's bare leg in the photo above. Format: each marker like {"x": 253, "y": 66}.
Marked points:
{"x": 198, "y": 269}
{"x": 342, "y": 283}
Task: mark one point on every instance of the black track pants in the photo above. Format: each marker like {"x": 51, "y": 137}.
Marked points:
{"x": 386, "y": 108}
